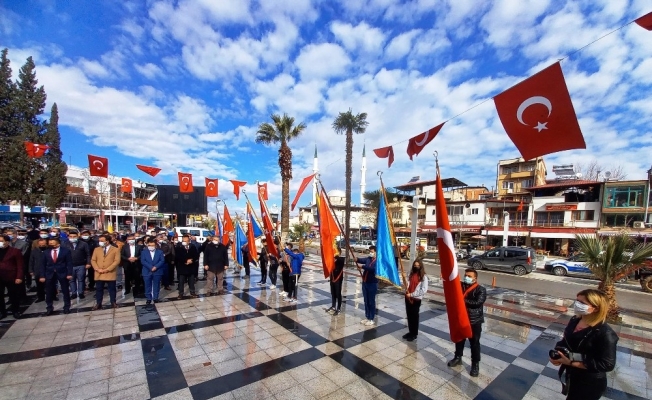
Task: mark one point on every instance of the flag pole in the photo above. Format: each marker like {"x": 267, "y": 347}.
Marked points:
{"x": 391, "y": 231}
{"x": 252, "y": 207}
{"x": 330, "y": 206}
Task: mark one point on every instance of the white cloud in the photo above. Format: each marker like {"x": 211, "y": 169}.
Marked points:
{"x": 400, "y": 45}
{"x": 149, "y": 70}
{"x": 322, "y": 61}
{"x": 93, "y": 68}
{"x": 361, "y": 37}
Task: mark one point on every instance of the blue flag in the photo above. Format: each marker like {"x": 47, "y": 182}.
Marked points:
{"x": 254, "y": 226}
{"x": 220, "y": 226}
{"x": 240, "y": 240}
{"x": 386, "y": 268}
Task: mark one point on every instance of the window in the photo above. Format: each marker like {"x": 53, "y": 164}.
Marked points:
{"x": 510, "y": 169}
{"x": 584, "y": 215}
{"x": 455, "y": 210}
{"x": 526, "y": 183}
{"x": 494, "y": 254}
{"x": 472, "y": 211}
{"x": 508, "y": 185}
{"x": 553, "y": 218}
{"x": 528, "y": 167}
{"x": 515, "y": 253}
{"x": 624, "y": 196}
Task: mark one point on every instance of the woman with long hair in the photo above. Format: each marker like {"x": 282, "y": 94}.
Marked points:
{"x": 587, "y": 350}
{"x": 417, "y": 288}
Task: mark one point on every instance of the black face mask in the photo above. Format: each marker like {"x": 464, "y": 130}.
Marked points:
{"x": 43, "y": 247}
{"x": 416, "y": 270}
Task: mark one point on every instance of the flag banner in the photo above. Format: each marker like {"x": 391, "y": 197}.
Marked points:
{"x": 253, "y": 232}
{"x": 35, "y": 150}
{"x": 458, "y": 318}
{"x": 98, "y": 166}
{"x": 304, "y": 184}
{"x": 386, "y": 152}
{"x": 236, "y": 187}
{"x": 538, "y": 115}
{"x": 328, "y": 232}
{"x": 645, "y": 21}
{"x": 386, "y": 267}
{"x": 240, "y": 240}
{"x": 153, "y": 171}
{"x": 267, "y": 226}
{"x": 228, "y": 227}
{"x": 219, "y": 225}
{"x": 211, "y": 187}
{"x": 520, "y": 206}
{"x": 185, "y": 183}
{"x": 417, "y": 143}
{"x": 127, "y": 185}
{"x": 262, "y": 191}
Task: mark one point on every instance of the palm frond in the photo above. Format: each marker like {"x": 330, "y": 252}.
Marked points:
{"x": 267, "y": 134}
{"x": 348, "y": 122}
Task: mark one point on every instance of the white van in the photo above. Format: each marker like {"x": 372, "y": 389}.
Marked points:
{"x": 200, "y": 233}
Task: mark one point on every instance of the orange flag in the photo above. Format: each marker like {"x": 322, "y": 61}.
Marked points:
{"x": 328, "y": 231}
{"x": 35, "y": 150}
{"x": 268, "y": 227}
{"x": 153, "y": 171}
{"x": 262, "y": 191}
{"x": 126, "y": 185}
{"x": 211, "y": 187}
{"x": 185, "y": 183}
{"x": 228, "y": 227}
{"x": 304, "y": 185}
{"x": 236, "y": 187}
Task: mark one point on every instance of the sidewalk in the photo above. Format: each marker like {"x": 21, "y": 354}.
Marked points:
{"x": 249, "y": 344}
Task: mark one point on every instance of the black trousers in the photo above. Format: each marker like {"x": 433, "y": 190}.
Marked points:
{"x": 131, "y": 276}
{"x": 40, "y": 289}
{"x": 285, "y": 276}
{"x": 91, "y": 278}
{"x": 336, "y": 293}
{"x": 476, "y": 329}
{"x": 263, "y": 271}
{"x": 273, "y": 270}
{"x": 51, "y": 289}
{"x": 585, "y": 387}
{"x": 293, "y": 286}
{"x": 182, "y": 282}
{"x": 412, "y": 312}
{"x": 246, "y": 267}
{"x": 14, "y": 296}
{"x": 170, "y": 276}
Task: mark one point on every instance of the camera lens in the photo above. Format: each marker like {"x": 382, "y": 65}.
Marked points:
{"x": 554, "y": 355}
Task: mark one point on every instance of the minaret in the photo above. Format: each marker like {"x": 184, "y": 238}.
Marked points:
{"x": 315, "y": 169}
{"x": 363, "y": 183}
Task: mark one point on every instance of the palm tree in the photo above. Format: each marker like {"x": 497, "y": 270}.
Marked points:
{"x": 281, "y": 132}
{"x": 347, "y": 123}
{"x": 611, "y": 259}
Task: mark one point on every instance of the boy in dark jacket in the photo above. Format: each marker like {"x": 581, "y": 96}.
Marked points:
{"x": 474, "y": 298}
{"x": 336, "y": 278}
{"x": 369, "y": 286}
{"x": 296, "y": 261}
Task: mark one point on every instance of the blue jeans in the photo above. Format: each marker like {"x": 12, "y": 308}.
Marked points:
{"x": 369, "y": 291}
{"x": 152, "y": 286}
{"x": 99, "y": 291}
{"x": 78, "y": 281}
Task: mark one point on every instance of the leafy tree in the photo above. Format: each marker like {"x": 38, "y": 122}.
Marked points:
{"x": 281, "y": 132}
{"x": 299, "y": 232}
{"x": 55, "y": 178}
{"x": 347, "y": 123}
{"x": 611, "y": 259}
{"x": 7, "y": 122}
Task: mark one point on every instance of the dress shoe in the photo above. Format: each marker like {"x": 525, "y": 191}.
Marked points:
{"x": 407, "y": 335}
{"x": 96, "y": 307}
{"x": 475, "y": 369}
{"x": 81, "y": 296}
{"x": 73, "y": 296}
{"x": 330, "y": 309}
{"x": 66, "y": 311}
{"x": 114, "y": 305}
{"x": 148, "y": 302}
{"x": 48, "y": 312}
{"x": 179, "y": 297}
{"x": 193, "y": 295}
{"x": 167, "y": 288}
{"x": 411, "y": 338}
{"x": 157, "y": 301}
{"x": 455, "y": 362}
{"x": 17, "y": 315}
{"x": 127, "y": 291}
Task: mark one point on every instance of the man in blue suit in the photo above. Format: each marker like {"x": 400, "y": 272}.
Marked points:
{"x": 153, "y": 262}
{"x": 56, "y": 267}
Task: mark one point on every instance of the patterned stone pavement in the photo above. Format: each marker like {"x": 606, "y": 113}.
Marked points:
{"x": 250, "y": 344}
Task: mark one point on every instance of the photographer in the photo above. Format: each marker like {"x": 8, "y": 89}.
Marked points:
{"x": 587, "y": 350}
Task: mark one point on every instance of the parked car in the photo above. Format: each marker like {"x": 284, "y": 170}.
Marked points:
{"x": 574, "y": 265}
{"x": 516, "y": 259}
{"x": 363, "y": 245}
{"x": 200, "y": 233}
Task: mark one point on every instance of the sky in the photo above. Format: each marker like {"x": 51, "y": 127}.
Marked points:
{"x": 183, "y": 85}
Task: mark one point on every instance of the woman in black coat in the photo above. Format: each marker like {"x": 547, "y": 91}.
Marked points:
{"x": 587, "y": 350}
{"x": 336, "y": 278}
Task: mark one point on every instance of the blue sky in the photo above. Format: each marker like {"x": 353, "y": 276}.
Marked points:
{"x": 183, "y": 85}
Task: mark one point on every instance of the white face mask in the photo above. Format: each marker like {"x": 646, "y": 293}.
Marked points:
{"x": 372, "y": 254}
{"x": 73, "y": 240}
{"x": 151, "y": 248}
{"x": 468, "y": 280}
{"x": 21, "y": 237}
{"x": 581, "y": 309}
{"x": 131, "y": 241}
{"x": 43, "y": 235}
{"x": 186, "y": 244}
{"x": 53, "y": 234}
{"x": 216, "y": 241}
{"x": 85, "y": 237}
{"x": 102, "y": 244}
{"x": 2, "y": 245}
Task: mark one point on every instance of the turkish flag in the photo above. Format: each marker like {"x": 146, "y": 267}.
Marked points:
{"x": 211, "y": 187}
{"x": 153, "y": 171}
{"x": 417, "y": 143}
{"x": 262, "y": 191}
{"x": 304, "y": 185}
{"x": 645, "y": 21}
{"x": 458, "y": 318}
{"x": 185, "y": 183}
{"x": 228, "y": 227}
{"x": 538, "y": 115}
{"x": 35, "y": 150}
{"x": 126, "y": 185}
{"x": 267, "y": 225}
{"x": 520, "y": 206}
{"x": 98, "y": 166}
{"x": 386, "y": 152}
{"x": 236, "y": 187}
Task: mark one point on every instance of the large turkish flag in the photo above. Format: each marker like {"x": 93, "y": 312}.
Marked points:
{"x": 645, "y": 21}
{"x": 386, "y": 152}
{"x": 538, "y": 115}
{"x": 185, "y": 183}
{"x": 127, "y": 185}
{"x": 98, "y": 166}
{"x": 211, "y": 187}
{"x": 418, "y": 142}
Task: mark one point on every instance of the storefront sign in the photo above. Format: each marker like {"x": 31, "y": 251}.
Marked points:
{"x": 561, "y": 207}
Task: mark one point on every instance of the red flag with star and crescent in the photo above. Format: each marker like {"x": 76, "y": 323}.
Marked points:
{"x": 152, "y": 171}
{"x": 236, "y": 187}
{"x": 185, "y": 183}
{"x": 211, "y": 187}
{"x": 386, "y": 152}
{"x": 98, "y": 166}
{"x": 458, "y": 317}
{"x": 645, "y": 21}
{"x": 417, "y": 143}
{"x": 228, "y": 228}
{"x": 35, "y": 150}
{"x": 268, "y": 227}
{"x": 126, "y": 186}
{"x": 538, "y": 115}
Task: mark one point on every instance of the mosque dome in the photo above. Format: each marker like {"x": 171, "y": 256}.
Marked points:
{"x": 336, "y": 193}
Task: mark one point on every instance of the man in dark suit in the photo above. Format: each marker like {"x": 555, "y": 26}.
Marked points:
{"x": 130, "y": 257}
{"x": 56, "y": 267}
{"x": 153, "y": 262}
{"x": 11, "y": 276}
{"x": 186, "y": 259}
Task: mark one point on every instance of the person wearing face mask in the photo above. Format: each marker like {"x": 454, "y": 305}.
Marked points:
{"x": 153, "y": 262}
{"x": 85, "y": 237}
{"x": 369, "y": 285}
{"x": 474, "y": 298}
{"x": 11, "y": 276}
{"x": 105, "y": 261}
{"x": 35, "y": 261}
{"x": 186, "y": 255}
{"x": 56, "y": 267}
{"x": 336, "y": 279}
{"x": 591, "y": 344}
{"x": 417, "y": 288}
{"x": 169, "y": 254}
{"x": 216, "y": 259}
{"x": 81, "y": 261}
{"x": 20, "y": 242}
{"x": 130, "y": 257}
